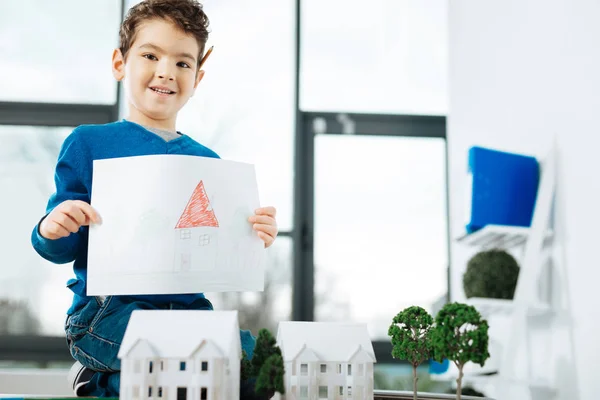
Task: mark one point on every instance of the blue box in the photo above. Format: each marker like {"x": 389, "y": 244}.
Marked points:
{"x": 503, "y": 190}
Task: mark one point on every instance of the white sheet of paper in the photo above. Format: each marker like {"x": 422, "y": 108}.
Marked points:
{"x": 174, "y": 224}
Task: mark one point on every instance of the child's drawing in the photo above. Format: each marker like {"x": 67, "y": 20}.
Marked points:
{"x": 184, "y": 230}
{"x": 196, "y": 236}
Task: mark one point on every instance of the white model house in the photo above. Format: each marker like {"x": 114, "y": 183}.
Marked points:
{"x": 196, "y": 233}
{"x": 326, "y": 360}
{"x": 181, "y": 354}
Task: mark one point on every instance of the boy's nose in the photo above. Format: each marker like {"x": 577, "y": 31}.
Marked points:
{"x": 165, "y": 71}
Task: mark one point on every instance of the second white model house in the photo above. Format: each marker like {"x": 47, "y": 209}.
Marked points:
{"x": 326, "y": 360}
{"x": 181, "y": 354}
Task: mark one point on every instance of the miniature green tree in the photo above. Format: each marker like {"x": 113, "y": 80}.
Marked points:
{"x": 460, "y": 335}
{"x": 270, "y": 377}
{"x": 265, "y": 347}
{"x": 410, "y": 332}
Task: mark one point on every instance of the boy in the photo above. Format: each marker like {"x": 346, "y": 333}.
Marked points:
{"x": 161, "y": 45}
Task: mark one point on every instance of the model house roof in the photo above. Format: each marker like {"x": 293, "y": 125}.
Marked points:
{"x": 179, "y": 333}
{"x": 198, "y": 211}
{"x": 328, "y": 341}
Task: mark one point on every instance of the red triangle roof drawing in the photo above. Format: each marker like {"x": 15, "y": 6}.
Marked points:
{"x": 198, "y": 211}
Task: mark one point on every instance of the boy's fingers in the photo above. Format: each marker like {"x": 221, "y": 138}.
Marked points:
{"x": 73, "y": 211}
{"x": 55, "y": 230}
{"x": 88, "y": 210}
{"x": 262, "y": 219}
{"x": 268, "y": 229}
{"x": 271, "y": 211}
{"x": 66, "y": 222}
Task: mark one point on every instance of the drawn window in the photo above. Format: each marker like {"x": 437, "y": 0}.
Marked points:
{"x": 204, "y": 366}
{"x": 137, "y": 366}
{"x": 323, "y": 368}
{"x": 150, "y": 365}
{"x": 323, "y": 392}
{"x": 182, "y": 366}
{"x": 361, "y": 369}
{"x": 339, "y": 368}
{"x": 293, "y": 369}
{"x": 349, "y": 369}
{"x": 185, "y": 234}
{"x": 304, "y": 392}
{"x": 349, "y": 391}
{"x": 203, "y": 394}
{"x": 303, "y": 369}
{"x": 204, "y": 240}
{"x": 341, "y": 390}
{"x": 162, "y": 365}
{"x": 136, "y": 392}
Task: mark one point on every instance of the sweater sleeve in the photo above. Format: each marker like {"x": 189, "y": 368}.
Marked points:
{"x": 73, "y": 162}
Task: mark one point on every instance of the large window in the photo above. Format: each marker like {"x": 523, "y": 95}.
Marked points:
{"x": 380, "y": 227}
{"x": 381, "y": 56}
{"x": 58, "y": 51}
{"x": 34, "y": 298}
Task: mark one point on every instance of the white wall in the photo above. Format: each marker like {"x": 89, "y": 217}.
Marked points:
{"x": 521, "y": 72}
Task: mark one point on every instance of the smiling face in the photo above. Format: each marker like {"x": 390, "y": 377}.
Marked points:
{"x": 159, "y": 73}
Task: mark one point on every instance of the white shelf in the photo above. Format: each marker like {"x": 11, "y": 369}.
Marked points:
{"x": 498, "y": 236}
{"x": 489, "y": 307}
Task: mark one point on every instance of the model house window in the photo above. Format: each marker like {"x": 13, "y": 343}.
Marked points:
{"x": 339, "y": 368}
{"x": 185, "y": 234}
{"x": 293, "y": 369}
{"x": 204, "y": 240}
{"x": 182, "y": 366}
{"x": 203, "y": 393}
{"x": 349, "y": 369}
{"x": 361, "y": 369}
{"x": 349, "y": 391}
{"x": 150, "y": 367}
{"x": 162, "y": 365}
{"x": 181, "y": 393}
{"x": 323, "y": 368}
{"x": 149, "y": 391}
{"x": 323, "y": 392}
{"x": 304, "y": 392}
{"x": 160, "y": 392}
{"x": 303, "y": 369}
{"x": 204, "y": 366}
{"x": 341, "y": 390}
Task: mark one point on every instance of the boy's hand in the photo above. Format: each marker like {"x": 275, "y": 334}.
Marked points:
{"x": 67, "y": 218}
{"x": 263, "y": 222}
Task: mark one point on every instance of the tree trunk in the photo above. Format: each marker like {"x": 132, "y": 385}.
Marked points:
{"x": 415, "y": 379}
{"x": 459, "y": 382}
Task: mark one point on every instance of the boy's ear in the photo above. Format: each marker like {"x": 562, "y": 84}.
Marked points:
{"x": 118, "y": 65}
{"x": 199, "y": 77}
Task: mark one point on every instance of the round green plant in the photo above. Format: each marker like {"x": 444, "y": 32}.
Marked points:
{"x": 491, "y": 274}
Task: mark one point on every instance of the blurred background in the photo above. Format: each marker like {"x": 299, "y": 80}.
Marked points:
{"x": 358, "y": 117}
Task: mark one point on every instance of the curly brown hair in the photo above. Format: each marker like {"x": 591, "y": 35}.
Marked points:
{"x": 187, "y": 15}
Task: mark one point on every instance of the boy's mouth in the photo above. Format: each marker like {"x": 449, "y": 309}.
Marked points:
{"x": 161, "y": 90}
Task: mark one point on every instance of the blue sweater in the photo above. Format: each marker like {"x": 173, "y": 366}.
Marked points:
{"x": 73, "y": 178}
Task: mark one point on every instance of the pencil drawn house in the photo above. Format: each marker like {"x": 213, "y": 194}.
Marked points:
{"x": 326, "y": 360}
{"x": 196, "y": 239}
{"x": 180, "y": 355}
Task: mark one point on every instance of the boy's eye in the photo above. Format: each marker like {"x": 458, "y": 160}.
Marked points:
{"x": 183, "y": 65}
{"x": 150, "y": 57}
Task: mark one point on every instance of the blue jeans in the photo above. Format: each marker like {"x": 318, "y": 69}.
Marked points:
{"x": 95, "y": 332}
